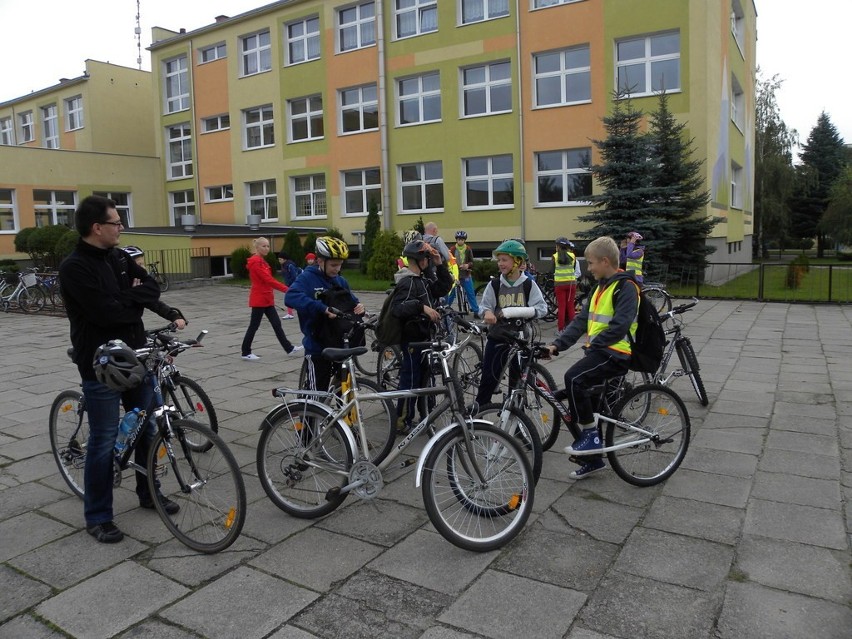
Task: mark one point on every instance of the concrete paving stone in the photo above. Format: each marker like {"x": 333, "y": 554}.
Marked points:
{"x": 796, "y": 423}
{"x": 25, "y": 627}
{"x": 696, "y": 519}
{"x": 269, "y": 524}
{"x": 792, "y": 522}
{"x": 808, "y": 570}
{"x": 807, "y": 411}
{"x": 376, "y": 521}
{"x": 37, "y": 467}
{"x": 547, "y": 490}
{"x": 337, "y": 616}
{"x": 707, "y": 487}
{"x": 754, "y": 611}
{"x": 563, "y": 559}
{"x": 792, "y": 489}
{"x": 243, "y": 603}
{"x": 610, "y": 487}
{"x": 802, "y": 464}
{"x": 19, "y": 592}
{"x": 98, "y": 607}
{"x": 156, "y": 629}
{"x": 291, "y": 632}
{"x": 598, "y": 517}
{"x": 27, "y": 448}
{"x": 720, "y": 462}
{"x": 739, "y": 423}
{"x": 442, "y": 632}
{"x": 28, "y": 531}
{"x": 176, "y": 561}
{"x": 783, "y": 387}
{"x": 748, "y": 440}
{"x": 759, "y": 366}
{"x": 492, "y": 607}
{"x": 625, "y": 605}
{"x": 428, "y": 560}
{"x": 579, "y": 632}
{"x": 746, "y": 395}
{"x": 762, "y": 408}
{"x": 316, "y": 558}
{"x": 803, "y": 443}
{"x": 25, "y": 497}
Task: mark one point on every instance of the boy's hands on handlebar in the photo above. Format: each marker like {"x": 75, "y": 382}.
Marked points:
{"x": 431, "y": 313}
{"x": 489, "y": 318}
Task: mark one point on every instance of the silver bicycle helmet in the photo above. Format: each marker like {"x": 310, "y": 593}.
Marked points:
{"x": 117, "y": 366}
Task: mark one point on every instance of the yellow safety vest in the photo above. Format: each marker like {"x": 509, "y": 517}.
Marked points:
{"x": 635, "y": 264}
{"x": 564, "y": 273}
{"x": 601, "y": 312}
{"x": 453, "y": 267}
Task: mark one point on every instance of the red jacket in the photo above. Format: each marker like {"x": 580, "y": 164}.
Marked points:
{"x": 262, "y": 282}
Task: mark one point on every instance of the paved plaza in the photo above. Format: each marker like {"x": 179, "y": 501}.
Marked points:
{"x": 749, "y": 539}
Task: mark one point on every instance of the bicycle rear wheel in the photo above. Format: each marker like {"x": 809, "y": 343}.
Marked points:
{"x": 69, "y": 438}
{"x": 163, "y": 282}
{"x": 689, "y": 361}
{"x": 469, "y": 512}
{"x": 192, "y": 402}
{"x": 31, "y": 299}
{"x": 300, "y": 460}
{"x": 660, "y": 440}
{"x": 659, "y": 298}
{"x": 511, "y": 420}
{"x": 467, "y": 369}
{"x": 208, "y": 486}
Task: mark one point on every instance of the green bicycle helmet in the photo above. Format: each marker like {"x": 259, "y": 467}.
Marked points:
{"x": 513, "y": 248}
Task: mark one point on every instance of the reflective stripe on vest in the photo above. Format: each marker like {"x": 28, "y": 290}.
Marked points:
{"x": 564, "y": 273}
{"x": 601, "y": 312}
{"x": 635, "y": 264}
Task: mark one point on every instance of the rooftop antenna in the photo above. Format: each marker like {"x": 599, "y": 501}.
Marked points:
{"x": 138, "y": 37}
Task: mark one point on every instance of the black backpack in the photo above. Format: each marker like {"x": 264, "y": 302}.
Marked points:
{"x": 388, "y": 328}
{"x": 650, "y": 341}
{"x": 330, "y": 332}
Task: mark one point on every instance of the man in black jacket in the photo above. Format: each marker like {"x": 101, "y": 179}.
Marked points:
{"x": 105, "y": 294}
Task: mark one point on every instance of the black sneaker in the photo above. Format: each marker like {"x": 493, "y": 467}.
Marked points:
{"x": 106, "y": 533}
{"x": 169, "y": 506}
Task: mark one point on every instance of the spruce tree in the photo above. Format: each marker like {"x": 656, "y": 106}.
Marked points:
{"x": 371, "y": 229}
{"x": 293, "y": 246}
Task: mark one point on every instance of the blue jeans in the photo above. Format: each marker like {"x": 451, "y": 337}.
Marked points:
{"x": 467, "y": 284}
{"x": 412, "y": 371}
{"x": 102, "y": 409}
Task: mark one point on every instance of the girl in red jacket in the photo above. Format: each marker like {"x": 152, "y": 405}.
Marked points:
{"x": 262, "y": 300}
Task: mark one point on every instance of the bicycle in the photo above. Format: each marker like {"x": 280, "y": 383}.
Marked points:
{"x": 26, "y": 294}
{"x": 192, "y": 464}
{"x": 476, "y": 481}
{"x": 160, "y": 278}
{"x": 658, "y": 296}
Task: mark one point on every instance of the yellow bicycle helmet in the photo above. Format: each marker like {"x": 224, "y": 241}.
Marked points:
{"x": 332, "y": 248}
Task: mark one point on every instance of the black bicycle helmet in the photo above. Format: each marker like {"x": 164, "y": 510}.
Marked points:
{"x": 134, "y": 251}
{"x": 461, "y": 235}
{"x": 117, "y": 366}
{"x": 418, "y": 249}
{"x": 562, "y": 241}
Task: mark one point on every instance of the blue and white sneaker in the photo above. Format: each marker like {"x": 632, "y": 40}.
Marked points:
{"x": 590, "y": 441}
{"x": 587, "y": 469}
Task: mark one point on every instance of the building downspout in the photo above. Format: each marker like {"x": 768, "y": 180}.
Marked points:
{"x": 190, "y": 65}
{"x": 383, "y": 123}
{"x": 521, "y": 163}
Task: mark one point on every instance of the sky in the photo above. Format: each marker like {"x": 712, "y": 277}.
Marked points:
{"x": 798, "y": 41}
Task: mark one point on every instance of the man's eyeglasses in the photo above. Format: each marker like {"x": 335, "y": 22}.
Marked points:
{"x": 112, "y": 223}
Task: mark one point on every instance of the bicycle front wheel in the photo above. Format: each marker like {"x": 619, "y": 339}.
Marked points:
{"x": 689, "y": 362}
{"x": 511, "y": 420}
{"x": 388, "y": 365}
{"x": 192, "y": 402}
{"x": 69, "y": 438}
{"x": 302, "y": 461}
{"x": 472, "y": 512}
{"x": 208, "y": 486}
{"x": 658, "y": 296}
{"x": 543, "y": 414}
{"x": 467, "y": 369}
{"x": 366, "y": 363}
{"x": 653, "y": 428}
{"x": 31, "y": 300}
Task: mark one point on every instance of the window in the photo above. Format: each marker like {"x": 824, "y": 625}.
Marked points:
{"x": 415, "y": 17}
{"x": 738, "y": 23}
{"x": 7, "y": 131}
{"x": 54, "y": 207}
{"x": 479, "y": 10}
{"x": 736, "y": 186}
{"x": 306, "y": 118}
{"x": 356, "y": 26}
{"x": 25, "y": 121}
{"x": 122, "y": 205}
{"x": 563, "y": 77}
{"x": 563, "y": 177}
{"x": 419, "y": 99}
{"x": 303, "y": 40}
{"x": 259, "y": 127}
{"x": 216, "y": 123}
{"x": 263, "y": 200}
{"x": 179, "y": 141}
{"x": 8, "y": 214}
{"x": 359, "y": 109}
{"x": 256, "y": 53}
{"x": 181, "y": 203}
{"x": 649, "y": 64}
{"x": 309, "y": 196}
{"x": 360, "y": 188}
{"x": 737, "y": 104}
{"x": 422, "y": 187}
{"x": 540, "y": 4}
{"x": 211, "y": 53}
{"x": 489, "y": 182}
{"x": 50, "y": 123}
{"x": 177, "y": 85}
{"x": 220, "y": 193}
{"x": 487, "y": 89}
{"x": 74, "y": 113}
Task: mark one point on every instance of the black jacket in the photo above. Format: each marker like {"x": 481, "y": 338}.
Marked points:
{"x": 411, "y": 293}
{"x": 101, "y": 303}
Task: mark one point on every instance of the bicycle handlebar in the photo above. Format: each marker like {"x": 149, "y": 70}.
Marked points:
{"x": 678, "y": 310}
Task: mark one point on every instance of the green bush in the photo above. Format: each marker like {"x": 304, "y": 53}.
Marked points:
{"x": 844, "y": 257}
{"x": 386, "y": 248}
{"x": 41, "y": 243}
{"x": 22, "y": 239}
{"x": 239, "y": 257}
{"x": 310, "y": 245}
{"x": 65, "y": 245}
{"x": 484, "y": 269}
{"x": 293, "y": 246}
{"x": 333, "y": 231}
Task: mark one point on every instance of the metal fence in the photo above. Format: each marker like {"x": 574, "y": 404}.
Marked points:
{"x": 182, "y": 265}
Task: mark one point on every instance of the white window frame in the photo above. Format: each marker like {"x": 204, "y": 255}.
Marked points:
{"x": 737, "y": 104}
{"x": 176, "y": 95}
{"x": 315, "y": 195}
{"x": 123, "y": 205}
{"x": 7, "y": 131}
{"x": 361, "y": 105}
{"x": 181, "y": 203}
{"x": 738, "y": 24}
{"x": 179, "y": 151}
{"x": 648, "y": 60}
{"x": 261, "y": 203}
{"x": 50, "y": 126}
{"x": 737, "y": 184}
{"x": 308, "y": 41}
{"x": 419, "y": 96}
{"x": 74, "y": 113}
{"x": 422, "y": 182}
{"x": 546, "y": 4}
{"x": 219, "y": 193}
{"x": 309, "y": 118}
{"x": 54, "y": 208}
{"x": 265, "y": 125}
{"x": 26, "y": 127}
{"x": 212, "y": 53}
{"x": 565, "y": 74}
{"x": 363, "y": 26}
{"x": 9, "y": 211}
{"x": 216, "y": 123}
{"x": 357, "y": 181}
{"x": 488, "y": 86}
{"x": 486, "y": 10}
{"x": 421, "y": 9}
{"x": 489, "y": 177}
{"x": 563, "y": 174}
{"x": 258, "y": 53}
